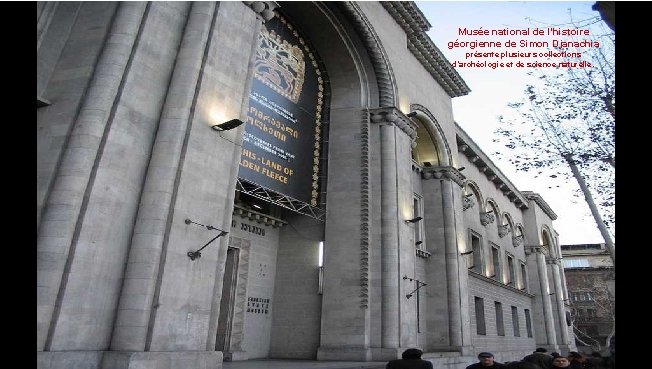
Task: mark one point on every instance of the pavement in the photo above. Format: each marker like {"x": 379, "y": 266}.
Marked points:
{"x": 302, "y": 364}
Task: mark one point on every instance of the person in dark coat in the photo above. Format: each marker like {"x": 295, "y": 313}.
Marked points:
{"x": 579, "y": 361}
{"x": 411, "y": 359}
{"x": 540, "y": 358}
{"x": 486, "y": 362}
{"x": 521, "y": 365}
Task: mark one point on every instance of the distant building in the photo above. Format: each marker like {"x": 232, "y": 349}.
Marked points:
{"x": 590, "y": 279}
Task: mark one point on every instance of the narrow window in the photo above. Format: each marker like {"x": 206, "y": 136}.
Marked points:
{"x": 477, "y": 254}
{"x": 528, "y": 323}
{"x": 495, "y": 252}
{"x": 510, "y": 266}
{"x": 481, "y": 329}
{"x": 517, "y": 329}
{"x": 500, "y": 324}
{"x": 523, "y": 277}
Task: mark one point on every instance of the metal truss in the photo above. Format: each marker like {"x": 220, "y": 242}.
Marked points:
{"x": 279, "y": 199}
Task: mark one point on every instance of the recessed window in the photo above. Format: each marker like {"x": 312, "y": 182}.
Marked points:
{"x": 528, "y": 322}
{"x": 517, "y": 330}
{"x": 512, "y": 272}
{"x": 523, "y": 277}
{"x": 476, "y": 256}
{"x": 500, "y": 324}
{"x": 481, "y": 328}
{"x": 495, "y": 256}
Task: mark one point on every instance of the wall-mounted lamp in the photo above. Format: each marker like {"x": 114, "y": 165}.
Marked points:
{"x": 461, "y": 169}
{"x": 197, "y": 254}
{"x": 413, "y": 220}
{"x": 233, "y": 123}
{"x": 418, "y": 243}
{"x": 412, "y": 114}
{"x": 466, "y": 253}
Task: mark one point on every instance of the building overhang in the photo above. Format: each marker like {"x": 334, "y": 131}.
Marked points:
{"x": 470, "y": 149}
{"x": 408, "y": 15}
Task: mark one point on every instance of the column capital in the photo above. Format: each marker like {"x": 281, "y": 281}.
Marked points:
{"x": 392, "y": 115}
{"x": 554, "y": 261}
{"x": 518, "y": 240}
{"x": 263, "y": 9}
{"x": 444, "y": 173}
{"x": 534, "y": 249}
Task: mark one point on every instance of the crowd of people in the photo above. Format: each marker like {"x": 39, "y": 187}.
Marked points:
{"x": 539, "y": 359}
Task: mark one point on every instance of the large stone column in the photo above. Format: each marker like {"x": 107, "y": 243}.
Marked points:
{"x": 148, "y": 242}
{"x": 551, "y": 338}
{"x": 559, "y": 294}
{"x": 451, "y": 180}
{"x": 389, "y": 239}
{"x": 62, "y": 208}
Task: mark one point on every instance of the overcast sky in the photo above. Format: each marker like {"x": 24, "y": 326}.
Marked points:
{"x": 492, "y": 89}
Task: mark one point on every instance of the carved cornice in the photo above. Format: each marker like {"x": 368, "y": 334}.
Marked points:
{"x": 263, "y": 9}
{"x": 487, "y": 218}
{"x": 541, "y": 202}
{"x": 258, "y": 217}
{"x": 391, "y": 115}
{"x": 443, "y": 172}
{"x": 375, "y": 50}
{"x": 518, "y": 240}
{"x": 415, "y": 25}
{"x": 503, "y": 230}
{"x": 478, "y": 158}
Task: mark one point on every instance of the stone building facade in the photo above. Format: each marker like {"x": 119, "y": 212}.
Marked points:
{"x": 168, "y": 241}
{"x": 591, "y": 282}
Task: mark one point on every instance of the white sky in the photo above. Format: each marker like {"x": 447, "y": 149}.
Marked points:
{"x": 491, "y": 89}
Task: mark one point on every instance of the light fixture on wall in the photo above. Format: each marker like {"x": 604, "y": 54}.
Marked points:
{"x": 197, "y": 254}
{"x": 413, "y": 220}
{"x": 466, "y": 253}
{"x": 412, "y": 114}
{"x": 233, "y": 123}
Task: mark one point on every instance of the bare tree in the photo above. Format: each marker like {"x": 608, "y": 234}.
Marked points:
{"x": 565, "y": 128}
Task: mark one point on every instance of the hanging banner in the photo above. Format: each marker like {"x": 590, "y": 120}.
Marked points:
{"x": 282, "y": 138}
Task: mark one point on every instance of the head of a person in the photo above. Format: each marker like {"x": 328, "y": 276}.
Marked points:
{"x": 541, "y": 349}
{"x": 412, "y": 353}
{"x": 486, "y": 358}
{"x": 576, "y": 356}
{"x": 560, "y": 362}
{"x": 555, "y": 354}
